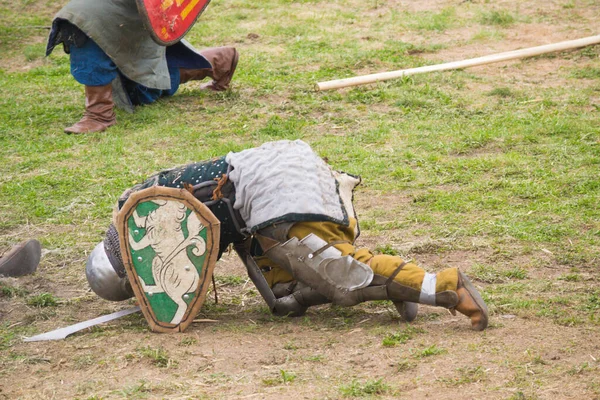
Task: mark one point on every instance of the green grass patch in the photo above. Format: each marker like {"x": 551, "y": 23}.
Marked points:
{"x": 42, "y": 300}
{"x": 394, "y": 339}
{"x": 230, "y": 280}
{"x": 490, "y": 274}
{"x": 7, "y": 290}
{"x": 587, "y": 72}
{"x": 405, "y": 365}
{"x": 431, "y": 21}
{"x": 465, "y": 375}
{"x": 365, "y": 389}
{"x": 497, "y": 17}
{"x": 386, "y": 249}
{"x": 429, "y": 351}
{"x": 283, "y": 378}
{"x": 157, "y": 356}
{"x": 501, "y": 92}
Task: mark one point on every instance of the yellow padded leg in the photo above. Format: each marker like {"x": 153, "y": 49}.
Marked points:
{"x": 411, "y": 275}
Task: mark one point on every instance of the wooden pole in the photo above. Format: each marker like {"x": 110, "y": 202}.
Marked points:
{"x": 493, "y": 58}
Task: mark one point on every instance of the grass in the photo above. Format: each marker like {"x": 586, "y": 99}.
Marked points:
{"x": 365, "y": 389}
{"x": 10, "y": 335}
{"x": 493, "y": 169}
{"x": 586, "y": 72}
{"x": 429, "y": 351}
{"x": 42, "y": 300}
{"x": 157, "y": 356}
{"x": 230, "y": 280}
{"x": 7, "y": 290}
{"x": 285, "y": 378}
{"x": 489, "y": 274}
{"x": 401, "y": 337}
{"x": 465, "y": 375}
{"x": 497, "y": 17}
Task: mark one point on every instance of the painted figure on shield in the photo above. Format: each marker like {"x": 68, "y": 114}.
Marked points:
{"x": 117, "y": 60}
{"x": 164, "y": 233}
{"x": 291, "y": 219}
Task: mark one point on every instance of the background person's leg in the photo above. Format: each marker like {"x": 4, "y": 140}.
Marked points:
{"x": 224, "y": 62}
{"x": 91, "y": 67}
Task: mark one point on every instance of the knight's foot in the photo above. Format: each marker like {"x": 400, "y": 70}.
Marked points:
{"x": 470, "y": 303}
{"x": 407, "y": 310}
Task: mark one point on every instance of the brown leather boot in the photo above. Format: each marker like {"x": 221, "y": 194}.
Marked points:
{"x": 186, "y": 75}
{"x": 99, "y": 111}
{"x": 22, "y": 259}
{"x": 470, "y": 303}
{"x": 223, "y": 60}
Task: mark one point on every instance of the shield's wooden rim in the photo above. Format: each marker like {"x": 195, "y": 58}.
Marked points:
{"x": 212, "y": 225}
{"x": 141, "y": 6}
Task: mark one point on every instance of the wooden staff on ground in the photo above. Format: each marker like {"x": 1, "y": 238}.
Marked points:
{"x": 493, "y": 58}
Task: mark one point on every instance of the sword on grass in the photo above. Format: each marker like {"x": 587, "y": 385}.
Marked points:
{"x": 62, "y": 333}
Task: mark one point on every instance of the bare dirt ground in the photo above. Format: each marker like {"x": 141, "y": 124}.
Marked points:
{"x": 242, "y": 352}
{"x": 247, "y": 354}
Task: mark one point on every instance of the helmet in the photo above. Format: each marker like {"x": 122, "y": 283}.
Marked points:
{"x": 107, "y": 280}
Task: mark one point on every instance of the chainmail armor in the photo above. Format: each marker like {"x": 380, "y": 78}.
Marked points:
{"x": 113, "y": 251}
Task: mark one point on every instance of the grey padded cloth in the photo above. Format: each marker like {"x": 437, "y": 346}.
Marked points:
{"x": 284, "y": 181}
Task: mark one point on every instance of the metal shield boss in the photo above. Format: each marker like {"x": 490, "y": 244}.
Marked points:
{"x": 169, "y": 20}
{"x": 169, "y": 243}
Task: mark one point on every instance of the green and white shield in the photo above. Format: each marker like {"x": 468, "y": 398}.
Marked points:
{"x": 169, "y": 243}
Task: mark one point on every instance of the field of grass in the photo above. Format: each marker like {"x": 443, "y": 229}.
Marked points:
{"x": 493, "y": 169}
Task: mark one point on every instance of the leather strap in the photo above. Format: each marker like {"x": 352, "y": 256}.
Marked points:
{"x": 328, "y": 245}
{"x": 396, "y": 272}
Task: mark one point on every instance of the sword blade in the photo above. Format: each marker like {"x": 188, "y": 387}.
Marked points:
{"x": 62, "y": 333}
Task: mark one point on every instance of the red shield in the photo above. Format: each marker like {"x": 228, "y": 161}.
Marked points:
{"x": 169, "y": 20}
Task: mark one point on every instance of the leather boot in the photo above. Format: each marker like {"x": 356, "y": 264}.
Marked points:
{"x": 99, "y": 111}
{"x": 470, "y": 303}
{"x": 22, "y": 259}
{"x": 223, "y": 60}
{"x": 294, "y": 298}
{"x": 382, "y": 289}
{"x": 408, "y": 311}
{"x": 466, "y": 299}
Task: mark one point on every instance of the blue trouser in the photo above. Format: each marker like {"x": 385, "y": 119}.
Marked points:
{"x": 90, "y": 66}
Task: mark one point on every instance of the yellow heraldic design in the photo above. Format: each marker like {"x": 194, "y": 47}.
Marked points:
{"x": 165, "y": 235}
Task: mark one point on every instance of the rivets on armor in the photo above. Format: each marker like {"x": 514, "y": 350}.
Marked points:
{"x": 139, "y": 258}
{"x": 187, "y": 267}
{"x": 310, "y": 255}
{"x": 136, "y": 231}
{"x": 150, "y": 294}
{"x": 186, "y": 296}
